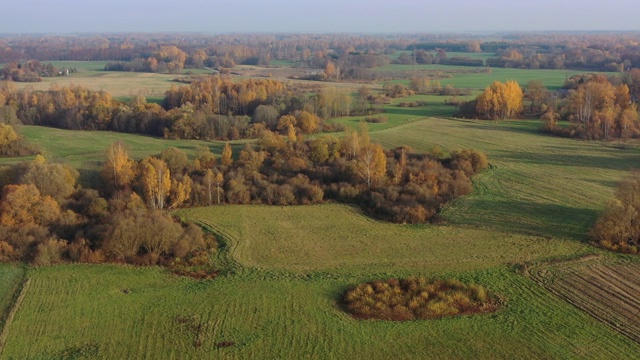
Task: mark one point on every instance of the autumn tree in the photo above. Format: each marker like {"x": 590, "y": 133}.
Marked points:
{"x": 155, "y": 179}
{"x": 205, "y": 159}
{"x": 500, "y": 101}
{"x": 599, "y": 110}
{"x": 618, "y": 228}
{"x": 7, "y": 134}
{"x": 180, "y": 191}
{"x": 371, "y": 164}
{"x": 330, "y": 70}
{"x": 55, "y": 180}
{"x": 536, "y": 92}
{"x": 119, "y": 170}
{"x": 209, "y": 183}
{"x": 227, "y": 155}
{"x": 23, "y": 205}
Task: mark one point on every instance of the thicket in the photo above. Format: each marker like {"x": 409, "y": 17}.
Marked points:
{"x": 597, "y": 108}
{"x": 416, "y": 298}
{"x": 47, "y": 218}
{"x": 618, "y": 228}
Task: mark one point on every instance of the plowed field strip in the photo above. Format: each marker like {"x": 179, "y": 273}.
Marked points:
{"x": 608, "y": 292}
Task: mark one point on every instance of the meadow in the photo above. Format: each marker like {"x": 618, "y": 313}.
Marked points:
{"x": 285, "y": 269}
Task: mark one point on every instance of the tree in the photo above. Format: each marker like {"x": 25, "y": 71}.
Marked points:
{"x": 180, "y": 191}
{"x": 618, "y": 228}
{"x": 23, "y": 205}
{"x": 119, "y": 170}
{"x": 227, "y": 155}
{"x": 7, "y": 134}
{"x": 55, "y": 180}
{"x": 205, "y": 159}
{"x": 209, "y": 180}
{"x": 536, "y": 92}
{"x": 308, "y": 122}
{"x": 500, "y": 101}
{"x": 176, "y": 160}
{"x": 155, "y": 179}
{"x": 371, "y": 164}
{"x": 266, "y": 114}
{"x": 330, "y": 70}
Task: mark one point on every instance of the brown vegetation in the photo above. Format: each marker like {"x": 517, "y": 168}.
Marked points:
{"x": 618, "y": 228}
{"x": 416, "y": 299}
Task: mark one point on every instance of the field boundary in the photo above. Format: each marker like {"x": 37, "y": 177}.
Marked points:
{"x": 12, "y": 312}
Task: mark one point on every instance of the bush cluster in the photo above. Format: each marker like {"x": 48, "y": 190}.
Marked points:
{"x": 416, "y": 298}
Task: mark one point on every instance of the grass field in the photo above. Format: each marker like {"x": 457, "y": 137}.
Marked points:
{"x": 269, "y": 316}
{"x": 122, "y": 85}
{"x": 466, "y": 77}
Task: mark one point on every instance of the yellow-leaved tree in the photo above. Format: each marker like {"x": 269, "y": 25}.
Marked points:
{"x": 227, "y": 155}
{"x": 371, "y": 164}
{"x": 500, "y": 101}
{"x": 119, "y": 170}
{"x": 155, "y": 179}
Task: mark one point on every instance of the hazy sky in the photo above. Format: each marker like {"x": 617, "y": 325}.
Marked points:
{"x": 220, "y": 16}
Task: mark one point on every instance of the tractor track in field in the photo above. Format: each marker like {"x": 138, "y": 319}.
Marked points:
{"x": 608, "y": 290}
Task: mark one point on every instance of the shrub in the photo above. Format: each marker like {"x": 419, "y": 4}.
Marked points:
{"x": 376, "y": 119}
{"x": 416, "y": 298}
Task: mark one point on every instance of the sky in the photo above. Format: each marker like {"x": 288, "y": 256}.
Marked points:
{"x": 325, "y": 16}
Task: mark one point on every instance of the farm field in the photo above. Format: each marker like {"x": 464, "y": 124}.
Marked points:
{"x": 608, "y": 290}
{"x": 480, "y": 78}
{"x": 146, "y": 313}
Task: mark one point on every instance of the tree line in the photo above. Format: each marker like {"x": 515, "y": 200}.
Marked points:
{"x": 210, "y": 107}
{"x": 594, "y": 106}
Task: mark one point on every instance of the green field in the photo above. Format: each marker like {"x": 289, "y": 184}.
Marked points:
{"x": 478, "y": 78}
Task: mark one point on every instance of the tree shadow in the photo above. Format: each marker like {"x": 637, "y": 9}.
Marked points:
{"x": 531, "y": 218}
{"x": 562, "y": 157}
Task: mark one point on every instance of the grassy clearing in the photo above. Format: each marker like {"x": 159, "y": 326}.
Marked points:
{"x": 118, "y": 84}
{"x": 122, "y": 85}
{"x": 608, "y": 290}
{"x": 339, "y": 239}
{"x": 436, "y": 106}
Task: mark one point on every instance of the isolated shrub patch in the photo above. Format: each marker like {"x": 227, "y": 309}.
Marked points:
{"x": 417, "y": 298}
{"x": 380, "y": 119}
